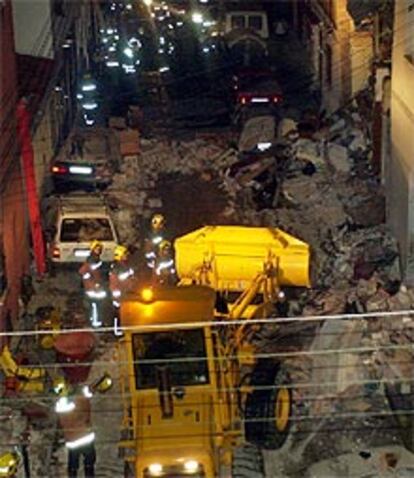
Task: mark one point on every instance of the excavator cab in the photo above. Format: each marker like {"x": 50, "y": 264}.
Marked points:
{"x": 175, "y": 414}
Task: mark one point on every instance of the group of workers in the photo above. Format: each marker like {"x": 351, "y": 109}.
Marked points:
{"x": 73, "y": 405}
{"x": 159, "y": 259}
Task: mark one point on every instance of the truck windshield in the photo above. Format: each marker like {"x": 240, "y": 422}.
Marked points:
{"x": 86, "y": 230}
{"x": 183, "y": 352}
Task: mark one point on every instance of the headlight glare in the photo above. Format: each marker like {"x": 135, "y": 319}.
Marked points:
{"x": 191, "y": 466}
{"x": 155, "y": 469}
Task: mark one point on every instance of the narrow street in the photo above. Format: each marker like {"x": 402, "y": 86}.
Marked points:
{"x": 305, "y": 367}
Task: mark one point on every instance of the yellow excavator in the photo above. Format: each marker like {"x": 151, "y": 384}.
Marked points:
{"x": 193, "y": 390}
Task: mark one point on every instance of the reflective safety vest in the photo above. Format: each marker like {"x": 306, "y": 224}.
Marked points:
{"x": 151, "y": 247}
{"x": 120, "y": 280}
{"x": 164, "y": 267}
{"x": 75, "y": 419}
{"x": 91, "y": 273}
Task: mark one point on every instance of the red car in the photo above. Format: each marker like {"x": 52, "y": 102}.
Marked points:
{"x": 257, "y": 87}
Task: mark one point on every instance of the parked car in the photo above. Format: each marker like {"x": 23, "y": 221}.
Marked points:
{"x": 257, "y": 87}
{"x": 74, "y": 174}
{"x": 74, "y": 222}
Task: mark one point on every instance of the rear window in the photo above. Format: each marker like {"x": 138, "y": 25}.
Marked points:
{"x": 85, "y": 230}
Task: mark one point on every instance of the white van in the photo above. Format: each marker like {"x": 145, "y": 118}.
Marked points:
{"x": 79, "y": 220}
{"x": 252, "y": 20}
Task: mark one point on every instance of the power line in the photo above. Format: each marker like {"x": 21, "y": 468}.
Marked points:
{"x": 322, "y": 396}
{"x": 220, "y": 323}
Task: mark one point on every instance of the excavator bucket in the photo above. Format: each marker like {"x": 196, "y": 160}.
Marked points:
{"x": 230, "y": 257}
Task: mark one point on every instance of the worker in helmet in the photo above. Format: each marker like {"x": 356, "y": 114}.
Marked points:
{"x": 74, "y": 412}
{"x": 282, "y": 304}
{"x": 93, "y": 284}
{"x": 9, "y": 464}
{"x": 121, "y": 276}
{"x": 164, "y": 268}
{"x": 155, "y": 238}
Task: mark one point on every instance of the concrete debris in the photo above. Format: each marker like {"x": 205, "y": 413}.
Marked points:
{"x": 378, "y": 462}
{"x": 286, "y": 127}
{"x": 338, "y": 158}
{"x": 256, "y": 130}
{"x": 308, "y": 150}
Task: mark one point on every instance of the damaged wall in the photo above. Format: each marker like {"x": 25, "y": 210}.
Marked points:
{"x": 12, "y": 200}
{"x": 400, "y": 181}
{"x": 341, "y": 55}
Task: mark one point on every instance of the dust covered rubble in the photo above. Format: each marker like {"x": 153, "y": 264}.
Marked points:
{"x": 339, "y": 211}
{"x": 334, "y": 208}
{"x": 352, "y": 377}
{"x": 133, "y": 193}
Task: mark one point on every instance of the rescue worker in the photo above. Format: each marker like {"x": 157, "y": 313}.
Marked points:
{"x": 155, "y": 238}
{"x": 10, "y": 463}
{"x": 92, "y": 278}
{"x": 120, "y": 279}
{"x": 282, "y": 304}
{"x": 74, "y": 412}
{"x": 164, "y": 268}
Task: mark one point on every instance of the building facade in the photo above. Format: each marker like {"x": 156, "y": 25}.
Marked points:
{"x": 341, "y": 50}
{"x": 14, "y": 248}
{"x": 399, "y": 177}
{"x": 44, "y": 48}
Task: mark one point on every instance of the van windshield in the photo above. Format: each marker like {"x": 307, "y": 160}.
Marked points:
{"x": 86, "y": 230}
{"x": 182, "y": 352}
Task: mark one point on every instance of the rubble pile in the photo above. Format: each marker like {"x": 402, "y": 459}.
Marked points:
{"x": 137, "y": 190}
{"x": 337, "y": 212}
{"x": 352, "y": 375}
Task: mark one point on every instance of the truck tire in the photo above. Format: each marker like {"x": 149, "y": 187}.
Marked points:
{"x": 278, "y": 412}
{"x": 254, "y": 411}
{"x": 247, "y": 463}
{"x": 256, "y": 404}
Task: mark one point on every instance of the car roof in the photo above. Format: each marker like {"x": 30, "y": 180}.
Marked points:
{"x": 82, "y": 202}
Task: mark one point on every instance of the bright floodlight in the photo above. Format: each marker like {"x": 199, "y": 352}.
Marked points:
{"x": 197, "y": 17}
{"x": 128, "y": 52}
{"x": 191, "y": 466}
{"x": 155, "y": 469}
{"x": 148, "y": 3}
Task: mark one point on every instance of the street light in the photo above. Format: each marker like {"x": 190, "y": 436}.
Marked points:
{"x": 197, "y": 17}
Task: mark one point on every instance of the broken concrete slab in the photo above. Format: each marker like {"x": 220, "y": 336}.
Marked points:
{"x": 338, "y": 158}
{"x": 375, "y": 462}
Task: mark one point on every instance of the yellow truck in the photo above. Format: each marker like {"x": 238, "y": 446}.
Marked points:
{"x": 193, "y": 389}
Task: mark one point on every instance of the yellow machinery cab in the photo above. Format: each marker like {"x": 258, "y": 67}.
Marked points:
{"x": 175, "y": 423}
{"x": 191, "y": 386}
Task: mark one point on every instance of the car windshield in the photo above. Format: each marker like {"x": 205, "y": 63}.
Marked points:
{"x": 86, "y": 230}
{"x": 181, "y": 352}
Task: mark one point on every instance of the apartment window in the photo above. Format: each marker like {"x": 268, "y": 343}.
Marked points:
{"x": 328, "y": 65}
{"x": 255, "y": 22}
{"x": 237, "y": 21}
